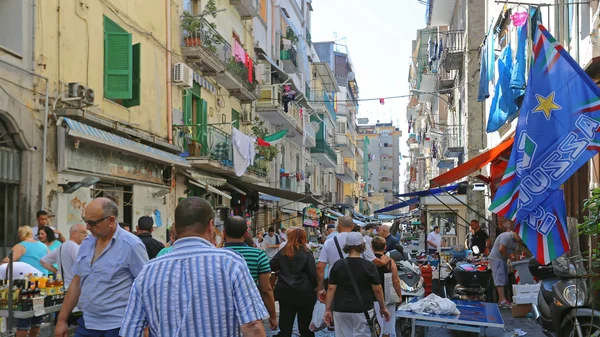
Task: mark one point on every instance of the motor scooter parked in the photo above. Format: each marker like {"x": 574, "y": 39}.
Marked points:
{"x": 564, "y": 301}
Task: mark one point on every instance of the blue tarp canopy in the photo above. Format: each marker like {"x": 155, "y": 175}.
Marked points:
{"x": 398, "y": 205}
{"x": 433, "y": 191}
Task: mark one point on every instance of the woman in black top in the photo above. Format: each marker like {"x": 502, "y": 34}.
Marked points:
{"x": 343, "y": 304}
{"x": 295, "y": 288}
{"x": 378, "y": 244}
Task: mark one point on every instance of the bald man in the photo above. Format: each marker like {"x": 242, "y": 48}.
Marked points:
{"x": 106, "y": 266}
{"x": 333, "y": 251}
{"x": 66, "y": 255}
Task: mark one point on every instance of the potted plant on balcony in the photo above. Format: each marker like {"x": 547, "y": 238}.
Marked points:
{"x": 191, "y": 26}
{"x": 266, "y": 154}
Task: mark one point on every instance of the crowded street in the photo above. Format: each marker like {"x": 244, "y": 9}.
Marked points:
{"x": 254, "y": 168}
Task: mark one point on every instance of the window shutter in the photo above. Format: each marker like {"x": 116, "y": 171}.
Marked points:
{"x": 118, "y": 62}
{"x": 235, "y": 117}
{"x": 187, "y": 107}
{"x": 204, "y": 121}
{"x": 136, "y": 77}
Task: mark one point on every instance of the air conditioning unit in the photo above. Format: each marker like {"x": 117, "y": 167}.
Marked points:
{"x": 183, "y": 75}
{"x": 78, "y": 90}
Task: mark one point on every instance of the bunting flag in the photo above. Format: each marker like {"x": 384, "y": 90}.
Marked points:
{"x": 276, "y": 137}
{"x": 261, "y": 142}
{"x": 382, "y": 101}
{"x": 556, "y": 134}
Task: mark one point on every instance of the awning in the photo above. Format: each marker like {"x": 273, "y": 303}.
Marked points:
{"x": 398, "y": 205}
{"x": 211, "y": 189}
{"x": 327, "y": 76}
{"x": 334, "y": 215}
{"x": 267, "y": 197}
{"x": 289, "y": 195}
{"x": 471, "y": 166}
{"x": 107, "y": 139}
{"x": 433, "y": 191}
{"x": 206, "y": 178}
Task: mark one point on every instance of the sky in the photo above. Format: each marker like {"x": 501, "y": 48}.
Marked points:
{"x": 378, "y": 34}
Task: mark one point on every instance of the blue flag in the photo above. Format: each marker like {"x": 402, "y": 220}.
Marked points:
{"x": 557, "y": 130}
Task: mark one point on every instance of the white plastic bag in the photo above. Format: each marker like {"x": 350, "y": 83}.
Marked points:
{"x": 318, "y": 317}
{"x": 432, "y": 304}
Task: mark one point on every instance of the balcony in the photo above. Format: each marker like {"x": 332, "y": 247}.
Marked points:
{"x": 452, "y": 142}
{"x": 322, "y": 102}
{"x": 454, "y": 50}
{"x": 270, "y": 107}
{"x": 289, "y": 60}
{"x": 206, "y": 50}
{"x": 246, "y": 8}
{"x": 211, "y": 149}
{"x": 311, "y": 135}
{"x": 324, "y": 154}
{"x": 446, "y": 78}
{"x": 346, "y": 174}
{"x": 343, "y": 143}
{"x": 288, "y": 183}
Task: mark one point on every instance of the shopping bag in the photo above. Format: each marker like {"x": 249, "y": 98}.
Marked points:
{"x": 318, "y": 318}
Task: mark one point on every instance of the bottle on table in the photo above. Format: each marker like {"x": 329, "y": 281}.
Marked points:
{"x": 50, "y": 284}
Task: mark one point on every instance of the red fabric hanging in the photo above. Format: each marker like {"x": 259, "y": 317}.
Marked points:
{"x": 261, "y": 142}
{"x": 249, "y": 67}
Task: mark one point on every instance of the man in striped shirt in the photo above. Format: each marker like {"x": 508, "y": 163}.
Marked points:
{"x": 258, "y": 263}
{"x": 197, "y": 289}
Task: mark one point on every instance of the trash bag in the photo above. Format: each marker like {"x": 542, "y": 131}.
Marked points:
{"x": 318, "y": 317}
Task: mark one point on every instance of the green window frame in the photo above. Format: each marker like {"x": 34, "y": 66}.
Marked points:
{"x": 122, "y": 65}
{"x": 235, "y": 119}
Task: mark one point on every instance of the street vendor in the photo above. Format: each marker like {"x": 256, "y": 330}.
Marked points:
{"x": 479, "y": 238}
{"x": 503, "y": 250}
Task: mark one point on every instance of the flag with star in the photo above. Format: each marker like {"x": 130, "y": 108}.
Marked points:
{"x": 556, "y": 134}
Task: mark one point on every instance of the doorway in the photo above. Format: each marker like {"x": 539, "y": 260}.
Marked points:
{"x": 10, "y": 179}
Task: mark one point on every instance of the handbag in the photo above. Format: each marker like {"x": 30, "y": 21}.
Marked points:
{"x": 390, "y": 295}
{"x": 369, "y": 315}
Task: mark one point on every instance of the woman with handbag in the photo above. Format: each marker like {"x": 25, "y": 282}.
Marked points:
{"x": 353, "y": 283}
{"x": 390, "y": 283}
{"x": 296, "y": 283}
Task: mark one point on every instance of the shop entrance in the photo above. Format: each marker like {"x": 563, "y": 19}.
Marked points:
{"x": 10, "y": 179}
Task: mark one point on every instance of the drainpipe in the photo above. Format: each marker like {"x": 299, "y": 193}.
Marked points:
{"x": 168, "y": 69}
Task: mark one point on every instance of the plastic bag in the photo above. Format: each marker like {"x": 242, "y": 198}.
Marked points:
{"x": 432, "y": 304}
{"x": 318, "y": 317}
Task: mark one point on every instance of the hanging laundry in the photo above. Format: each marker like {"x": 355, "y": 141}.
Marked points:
{"x": 517, "y": 79}
{"x": 243, "y": 151}
{"x": 519, "y": 19}
{"x": 440, "y": 49}
{"x": 382, "y": 101}
{"x": 259, "y": 69}
{"x": 484, "y": 80}
{"x": 157, "y": 218}
{"x": 238, "y": 52}
{"x": 491, "y": 57}
{"x": 503, "y": 105}
{"x": 249, "y": 67}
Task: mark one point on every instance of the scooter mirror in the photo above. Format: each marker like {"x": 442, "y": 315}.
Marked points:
{"x": 475, "y": 250}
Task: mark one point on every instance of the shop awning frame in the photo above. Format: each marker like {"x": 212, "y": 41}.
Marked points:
{"x": 110, "y": 140}
{"x": 275, "y": 192}
{"x": 399, "y": 205}
{"x": 471, "y": 166}
{"x": 433, "y": 191}
{"x": 209, "y": 188}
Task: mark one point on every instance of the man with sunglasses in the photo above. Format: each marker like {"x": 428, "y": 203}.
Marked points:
{"x": 106, "y": 265}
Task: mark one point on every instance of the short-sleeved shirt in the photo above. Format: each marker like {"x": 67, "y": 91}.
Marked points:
{"x": 365, "y": 273}
{"x": 330, "y": 254}
{"x": 270, "y": 241}
{"x": 64, "y": 258}
{"x": 106, "y": 284}
{"x": 390, "y": 243}
{"x": 256, "y": 259}
{"x": 508, "y": 241}
{"x": 479, "y": 239}
{"x": 436, "y": 239}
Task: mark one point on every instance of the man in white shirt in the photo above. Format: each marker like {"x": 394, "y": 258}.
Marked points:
{"x": 330, "y": 253}
{"x": 66, "y": 255}
{"x": 434, "y": 240}
{"x": 271, "y": 242}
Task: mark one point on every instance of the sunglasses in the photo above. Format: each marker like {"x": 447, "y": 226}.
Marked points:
{"x": 93, "y": 223}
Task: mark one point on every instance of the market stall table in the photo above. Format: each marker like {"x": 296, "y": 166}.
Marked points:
{"x": 474, "y": 317}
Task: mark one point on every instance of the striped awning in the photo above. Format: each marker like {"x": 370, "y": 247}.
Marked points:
{"x": 107, "y": 139}
{"x": 207, "y": 178}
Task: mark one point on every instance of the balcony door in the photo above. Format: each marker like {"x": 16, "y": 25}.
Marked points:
{"x": 196, "y": 114}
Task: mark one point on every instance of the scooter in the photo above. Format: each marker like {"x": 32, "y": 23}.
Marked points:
{"x": 471, "y": 281}
{"x": 564, "y": 305}
{"x": 412, "y": 285}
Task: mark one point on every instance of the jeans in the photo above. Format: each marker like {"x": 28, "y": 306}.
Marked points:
{"x": 82, "y": 331}
{"x": 287, "y": 313}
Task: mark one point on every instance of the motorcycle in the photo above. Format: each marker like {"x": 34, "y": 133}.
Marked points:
{"x": 412, "y": 285}
{"x": 564, "y": 307}
{"x": 472, "y": 280}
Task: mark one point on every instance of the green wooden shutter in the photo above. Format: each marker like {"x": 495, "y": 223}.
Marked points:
{"x": 187, "y": 107}
{"x": 203, "y": 120}
{"x": 118, "y": 62}
{"x": 136, "y": 77}
{"x": 235, "y": 118}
